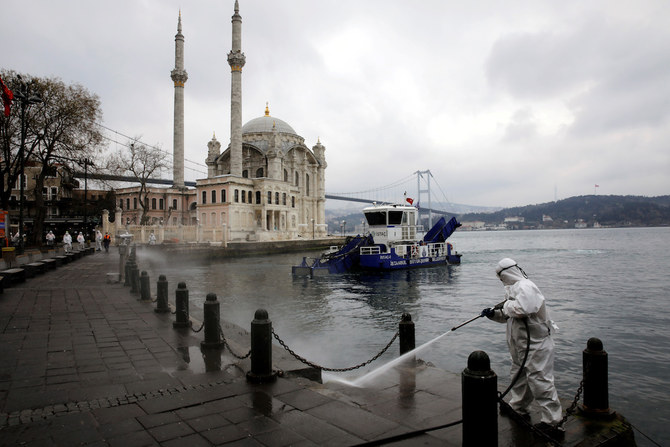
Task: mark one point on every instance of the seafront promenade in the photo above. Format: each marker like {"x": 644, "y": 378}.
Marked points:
{"x": 85, "y": 362}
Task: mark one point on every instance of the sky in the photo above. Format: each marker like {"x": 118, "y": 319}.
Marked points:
{"x": 506, "y": 103}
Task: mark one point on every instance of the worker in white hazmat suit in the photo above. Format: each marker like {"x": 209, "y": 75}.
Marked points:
{"x": 523, "y": 299}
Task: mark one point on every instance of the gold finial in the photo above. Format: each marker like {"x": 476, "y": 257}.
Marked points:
{"x": 213, "y": 135}
{"x": 267, "y": 109}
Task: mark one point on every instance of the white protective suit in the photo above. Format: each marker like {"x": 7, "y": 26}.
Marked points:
{"x": 536, "y": 382}
{"x": 80, "y": 239}
{"x": 67, "y": 242}
{"x": 98, "y": 240}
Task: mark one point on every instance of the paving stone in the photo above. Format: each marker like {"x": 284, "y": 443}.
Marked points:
{"x": 225, "y": 434}
{"x": 170, "y": 431}
{"x": 352, "y": 419}
{"x": 155, "y": 420}
{"x": 208, "y": 422}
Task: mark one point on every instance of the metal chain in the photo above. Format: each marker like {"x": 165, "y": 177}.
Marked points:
{"x": 225, "y": 343}
{"x": 323, "y": 368}
{"x": 199, "y": 329}
{"x": 573, "y": 406}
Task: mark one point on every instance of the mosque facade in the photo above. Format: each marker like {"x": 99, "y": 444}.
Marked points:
{"x": 266, "y": 185}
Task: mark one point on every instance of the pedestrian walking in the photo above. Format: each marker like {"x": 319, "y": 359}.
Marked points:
{"x": 67, "y": 242}
{"x": 98, "y": 240}
{"x": 81, "y": 240}
{"x": 51, "y": 238}
{"x": 106, "y": 241}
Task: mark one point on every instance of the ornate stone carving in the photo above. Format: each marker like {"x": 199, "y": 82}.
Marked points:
{"x": 236, "y": 60}
{"x": 179, "y": 77}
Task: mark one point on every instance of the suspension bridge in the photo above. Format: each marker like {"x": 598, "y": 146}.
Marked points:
{"x": 420, "y": 184}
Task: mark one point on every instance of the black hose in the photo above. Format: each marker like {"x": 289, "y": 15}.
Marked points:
{"x": 523, "y": 363}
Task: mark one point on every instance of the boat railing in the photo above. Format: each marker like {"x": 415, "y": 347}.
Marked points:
{"x": 371, "y": 250}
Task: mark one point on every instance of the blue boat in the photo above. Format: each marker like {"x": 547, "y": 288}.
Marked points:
{"x": 395, "y": 241}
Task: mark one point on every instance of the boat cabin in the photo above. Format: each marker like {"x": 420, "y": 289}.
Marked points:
{"x": 390, "y": 224}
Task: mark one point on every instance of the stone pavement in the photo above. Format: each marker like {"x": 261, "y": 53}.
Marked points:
{"x": 84, "y": 362}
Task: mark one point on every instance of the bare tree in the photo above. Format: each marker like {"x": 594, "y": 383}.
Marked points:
{"x": 143, "y": 163}
{"x": 60, "y": 127}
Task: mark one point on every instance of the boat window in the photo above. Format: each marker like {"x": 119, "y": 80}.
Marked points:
{"x": 395, "y": 217}
{"x": 376, "y": 217}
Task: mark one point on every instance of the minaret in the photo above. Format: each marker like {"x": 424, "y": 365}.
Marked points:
{"x": 236, "y": 61}
{"x": 179, "y": 77}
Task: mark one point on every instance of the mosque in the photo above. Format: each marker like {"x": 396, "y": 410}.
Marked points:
{"x": 266, "y": 185}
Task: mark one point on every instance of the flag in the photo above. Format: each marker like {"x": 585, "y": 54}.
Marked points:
{"x": 7, "y": 97}
{"x": 410, "y": 201}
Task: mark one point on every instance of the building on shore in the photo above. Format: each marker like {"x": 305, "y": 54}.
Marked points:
{"x": 266, "y": 185}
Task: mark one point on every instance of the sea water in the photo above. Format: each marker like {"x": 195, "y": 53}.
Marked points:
{"x": 607, "y": 283}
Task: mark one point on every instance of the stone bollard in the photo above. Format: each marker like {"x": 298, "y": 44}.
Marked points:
{"x": 181, "y": 304}
{"x": 135, "y": 278}
{"x": 127, "y": 271}
{"x": 211, "y": 316}
{"x": 261, "y": 349}
{"x": 145, "y": 286}
{"x": 479, "y": 399}
{"x": 162, "y": 295}
{"x": 594, "y": 359}
{"x": 406, "y": 334}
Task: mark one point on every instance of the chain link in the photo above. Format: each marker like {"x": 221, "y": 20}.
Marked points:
{"x": 225, "y": 343}
{"x": 575, "y": 401}
{"x": 323, "y": 368}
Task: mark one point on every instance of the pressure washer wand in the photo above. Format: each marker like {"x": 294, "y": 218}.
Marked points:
{"x": 497, "y": 306}
{"x": 466, "y": 322}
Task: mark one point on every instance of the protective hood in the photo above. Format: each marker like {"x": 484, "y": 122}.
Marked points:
{"x": 509, "y": 272}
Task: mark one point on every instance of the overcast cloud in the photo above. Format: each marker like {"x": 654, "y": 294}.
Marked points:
{"x": 507, "y": 103}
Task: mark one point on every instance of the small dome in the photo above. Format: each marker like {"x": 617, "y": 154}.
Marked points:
{"x": 265, "y": 123}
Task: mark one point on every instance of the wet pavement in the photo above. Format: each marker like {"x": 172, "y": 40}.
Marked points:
{"x": 85, "y": 362}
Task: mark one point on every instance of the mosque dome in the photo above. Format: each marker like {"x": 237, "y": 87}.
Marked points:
{"x": 264, "y": 124}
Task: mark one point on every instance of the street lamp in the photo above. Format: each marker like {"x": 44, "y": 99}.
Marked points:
{"x": 26, "y": 98}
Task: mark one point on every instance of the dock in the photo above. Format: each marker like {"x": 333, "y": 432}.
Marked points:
{"x": 86, "y": 362}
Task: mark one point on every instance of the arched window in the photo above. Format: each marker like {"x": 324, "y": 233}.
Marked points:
{"x": 174, "y": 204}
{"x": 244, "y": 196}
{"x": 258, "y": 197}
{"x": 276, "y": 198}
{"x": 213, "y": 221}
{"x": 283, "y": 199}
{"x": 153, "y": 203}
{"x": 250, "y": 196}
{"x": 161, "y": 204}
{"x": 306, "y": 184}
{"x": 292, "y": 201}
{"x": 245, "y": 173}
{"x": 121, "y": 203}
{"x": 269, "y": 197}
{"x": 223, "y": 196}
{"x": 213, "y": 196}
{"x": 285, "y": 175}
{"x": 297, "y": 179}
{"x": 204, "y": 197}
{"x": 237, "y": 195}
{"x": 259, "y": 172}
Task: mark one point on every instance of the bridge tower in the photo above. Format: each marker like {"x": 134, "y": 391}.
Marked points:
{"x": 419, "y": 176}
{"x": 179, "y": 76}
